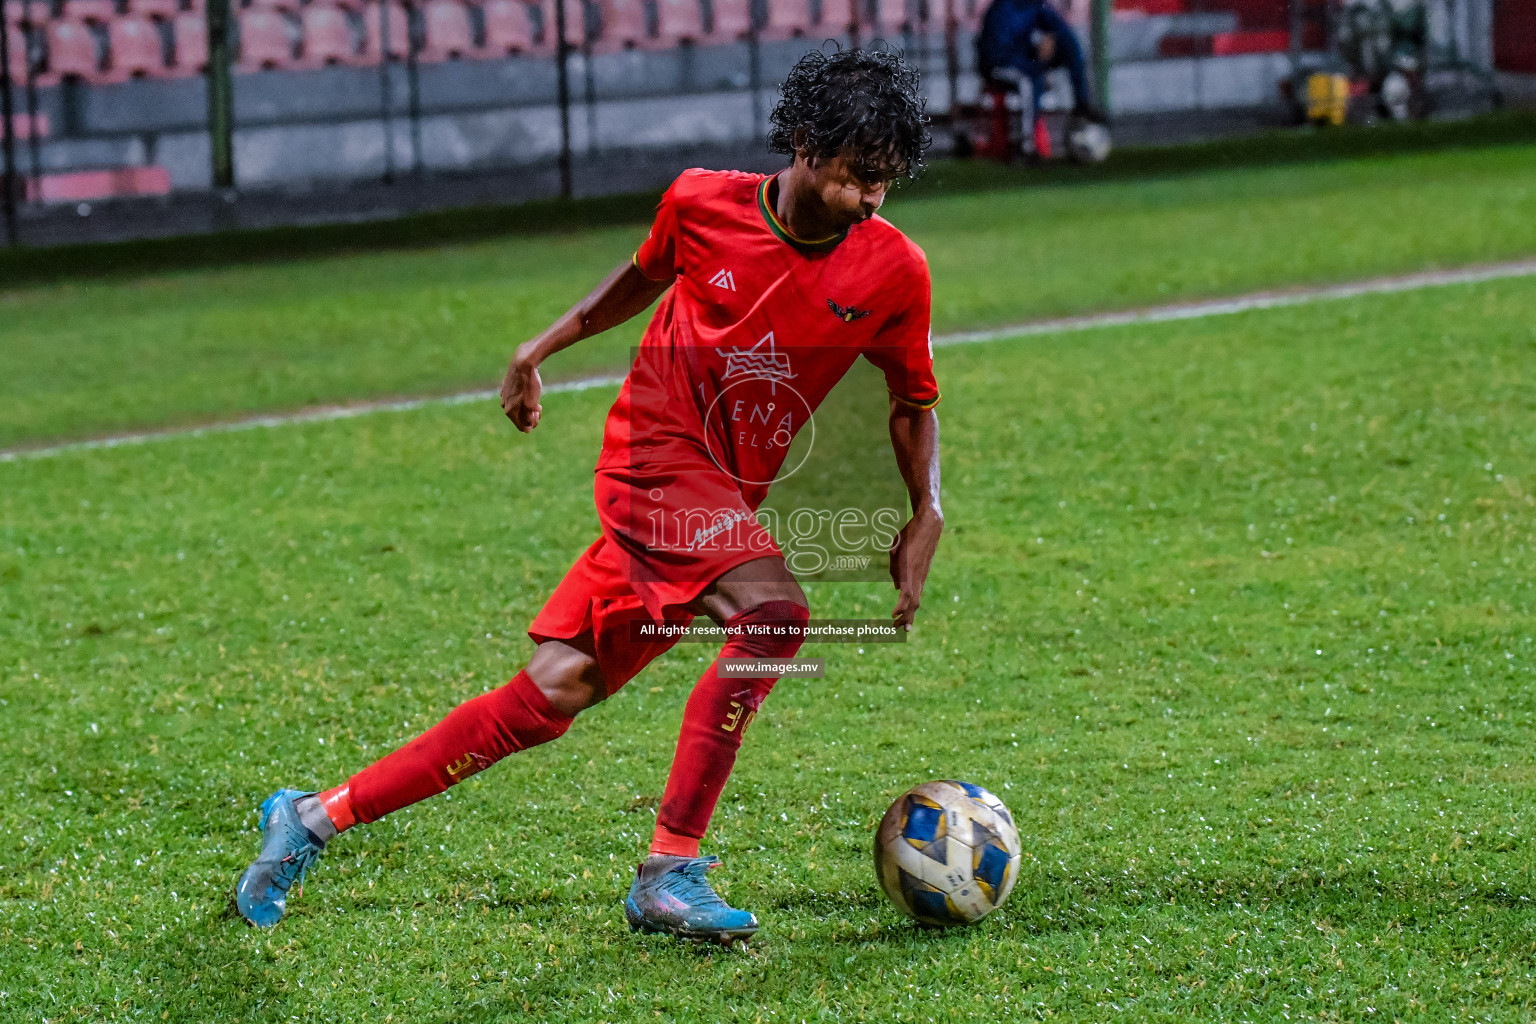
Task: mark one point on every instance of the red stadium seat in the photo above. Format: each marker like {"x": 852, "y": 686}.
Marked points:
{"x": 448, "y": 32}
{"x": 836, "y": 17}
{"x": 1153, "y": 6}
{"x": 508, "y": 29}
{"x": 623, "y": 24}
{"x": 788, "y": 19}
{"x": 575, "y": 23}
{"x": 679, "y": 21}
{"x": 1173, "y": 47}
{"x": 969, "y": 12}
{"x": 73, "y": 186}
{"x": 166, "y": 9}
{"x": 21, "y": 126}
{"x": 733, "y": 20}
{"x": 189, "y": 51}
{"x": 1268, "y": 41}
{"x": 72, "y": 53}
{"x": 134, "y": 49}
{"x": 327, "y": 35}
{"x": 291, "y": 6}
{"x": 86, "y": 10}
{"x": 266, "y": 40}
{"x": 17, "y": 45}
{"x": 399, "y": 33}
{"x": 889, "y": 17}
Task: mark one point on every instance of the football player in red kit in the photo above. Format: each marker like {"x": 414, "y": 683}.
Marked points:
{"x": 771, "y": 287}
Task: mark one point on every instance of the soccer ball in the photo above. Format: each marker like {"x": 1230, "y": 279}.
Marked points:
{"x": 1088, "y": 142}
{"x": 947, "y": 853}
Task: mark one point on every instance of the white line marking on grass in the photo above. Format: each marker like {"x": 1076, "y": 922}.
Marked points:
{"x": 1248, "y": 303}
{"x": 322, "y": 414}
{"x": 1064, "y": 325}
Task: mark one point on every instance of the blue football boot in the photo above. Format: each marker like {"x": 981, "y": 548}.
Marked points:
{"x": 671, "y": 895}
{"x": 287, "y": 851}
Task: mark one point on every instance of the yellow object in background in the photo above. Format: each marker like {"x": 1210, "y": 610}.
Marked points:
{"x": 1327, "y": 98}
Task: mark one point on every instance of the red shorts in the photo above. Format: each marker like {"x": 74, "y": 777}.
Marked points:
{"x": 670, "y": 529}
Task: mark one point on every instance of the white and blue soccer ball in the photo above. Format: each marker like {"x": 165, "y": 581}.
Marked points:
{"x": 947, "y": 853}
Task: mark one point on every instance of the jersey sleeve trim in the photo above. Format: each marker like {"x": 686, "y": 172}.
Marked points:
{"x": 635, "y": 259}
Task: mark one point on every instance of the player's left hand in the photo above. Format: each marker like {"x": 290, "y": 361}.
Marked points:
{"x": 520, "y": 391}
{"x": 911, "y": 557}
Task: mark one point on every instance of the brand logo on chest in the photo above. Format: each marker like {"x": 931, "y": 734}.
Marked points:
{"x": 847, "y": 314}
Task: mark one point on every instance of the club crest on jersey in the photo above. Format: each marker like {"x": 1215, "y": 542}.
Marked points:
{"x": 761, "y": 361}
{"x": 724, "y": 279}
{"x": 847, "y": 314}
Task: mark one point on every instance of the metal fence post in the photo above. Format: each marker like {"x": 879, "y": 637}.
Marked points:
{"x": 7, "y": 132}
{"x": 221, "y": 96}
{"x": 34, "y": 139}
{"x": 413, "y": 85}
{"x": 755, "y": 80}
{"x": 563, "y": 84}
{"x": 386, "y": 100}
{"x": 1101, "y": 18}
{"x": 952, "y": 54}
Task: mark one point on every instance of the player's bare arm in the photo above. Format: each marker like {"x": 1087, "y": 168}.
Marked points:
{"x": 915, "y": 438}
{"x": 622, "y": 294}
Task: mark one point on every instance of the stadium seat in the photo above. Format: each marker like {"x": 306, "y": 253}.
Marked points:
{"x": 21, "y": 127}
{"x": 885, "y": 18}
{"x": 17, "y": 44}
{"x": 266, "y": 40}
{"x": 88, "y": 10}
{"x": 623, "y": 25}
{"x": 1268, "y": 41}
{"x": 399, "y": 33}
{"x": 1152, "y": 6}
{"x": 508, "y": 29}
{"x": 447, "y": 31}
{"x": 327, "y": 36}
{"x": 732, "y": 20}
{"x": 134, "y": 49}
{"x": 1174, "y": 46}
{"x": 679, "y": 21}
{"x": 837, "y": 17}
{"x": 788, "y": 19}
{"x": 74, "y": 186}
{"x": 291, "y": 6}
{"x": 969, "y": 12}
{"x": 189, "y": 49}
{"x": 72, "y": 53}
{"x": 575, "y": 23}
{"x": 166, "y": 9}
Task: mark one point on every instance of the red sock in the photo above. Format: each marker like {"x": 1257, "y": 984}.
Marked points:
{"x": 1042, "y": 138}
{"x": 338, "y": 807}
{"x": 474, "y": 736}
{"x": 718, "y": 712}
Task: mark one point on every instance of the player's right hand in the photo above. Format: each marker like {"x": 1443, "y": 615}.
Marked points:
{"x": 520, "y": 391}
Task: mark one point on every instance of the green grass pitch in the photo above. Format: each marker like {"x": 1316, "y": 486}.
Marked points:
{"x": 1236, "y": 614}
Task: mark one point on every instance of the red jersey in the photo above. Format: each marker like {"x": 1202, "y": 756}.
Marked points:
{"x": 758, "y": 328}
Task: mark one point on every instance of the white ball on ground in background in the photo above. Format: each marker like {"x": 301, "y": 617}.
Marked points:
{"x": 1088, "y": 142}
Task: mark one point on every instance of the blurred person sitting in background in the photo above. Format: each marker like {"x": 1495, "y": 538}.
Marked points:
{"x": 1025, "y": 40}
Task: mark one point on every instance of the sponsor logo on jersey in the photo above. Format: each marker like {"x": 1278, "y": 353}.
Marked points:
{"x": 847, "y": 314}
{"x": 761, "y": 361}
{"x": 724, "y": 279}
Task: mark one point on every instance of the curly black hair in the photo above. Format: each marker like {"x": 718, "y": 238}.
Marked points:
{"x": 863, "y": 102}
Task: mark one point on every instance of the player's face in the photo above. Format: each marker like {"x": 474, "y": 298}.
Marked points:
{"x": 850, "y": 189}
